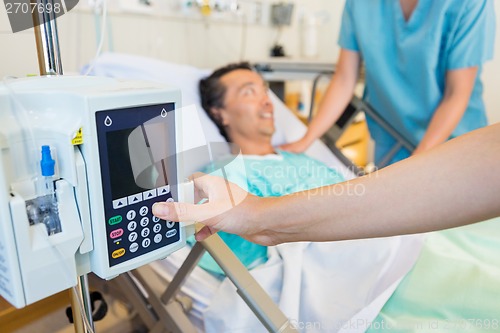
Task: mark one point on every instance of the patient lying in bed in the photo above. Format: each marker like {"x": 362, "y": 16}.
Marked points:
{"x": 236, "y": 99}
{"x": 325, "y": 287}
{"x": 321, "y": 276}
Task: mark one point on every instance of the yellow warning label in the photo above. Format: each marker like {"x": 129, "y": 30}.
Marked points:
{"x": 78, "y": 139}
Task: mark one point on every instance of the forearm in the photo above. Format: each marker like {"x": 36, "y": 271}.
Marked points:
{"x": 445, "y": 120}
{"x": 459, "y": 86}
{"x": 446, "y": 187}
{"x": 337, "y": 95}
{"x": 449, "y": 186}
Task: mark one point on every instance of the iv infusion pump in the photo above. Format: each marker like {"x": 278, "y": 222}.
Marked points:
{"x": 82, "y": 161}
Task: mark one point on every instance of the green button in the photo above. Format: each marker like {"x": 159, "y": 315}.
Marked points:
{"x": 115, "y": 220}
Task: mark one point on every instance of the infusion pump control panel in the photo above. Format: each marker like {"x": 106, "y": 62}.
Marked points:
{"x": 82, "y": 161}
{"x": 133, "y": 182}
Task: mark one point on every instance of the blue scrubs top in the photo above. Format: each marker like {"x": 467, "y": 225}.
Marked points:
{"x": 406, "y": 61}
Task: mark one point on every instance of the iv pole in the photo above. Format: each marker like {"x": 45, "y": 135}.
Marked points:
{"x": 49, "y": 63}
{"x": 47, "y": 41}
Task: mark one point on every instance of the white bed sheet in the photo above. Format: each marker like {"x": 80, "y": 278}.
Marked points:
{"x": 322, "y": 287}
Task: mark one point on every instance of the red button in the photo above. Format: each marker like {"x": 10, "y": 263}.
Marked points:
{"x": 116, "y": 233}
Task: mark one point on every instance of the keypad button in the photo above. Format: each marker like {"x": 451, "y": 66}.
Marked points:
{"x": 170, "y": 199}
{"x": 163, "y": 190}
{"x": 118, "y": 253}
{"x": 170, "y": 224}
{"x": 144, "y": 211}
{"x": 146, "y": 195}
{"x": 171, "y": 233}
{"x": 135, "y": 198}
{"x": 119, "y": 203}
{"x": 157, "y": 228}
{"x": 146, "y": 242}
{"x": 145, "y": 232}
{"x": 131, "y": 215}
{"x": 144, "y": 221}
{"x": 132, "y": 236}
{"x": 115, "y": 220}
{"x": 157, "y": 238}
{"x": 156, "y": 219}
{"x": 116, "y": 233}
{"x": 132, "y": 225}
{"x": 133, "y": 247}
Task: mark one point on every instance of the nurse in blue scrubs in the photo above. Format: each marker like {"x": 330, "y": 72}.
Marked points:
{"x": 423, "y": 61}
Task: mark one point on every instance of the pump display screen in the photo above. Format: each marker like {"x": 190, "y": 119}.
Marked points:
{"x": 138, "y": 167}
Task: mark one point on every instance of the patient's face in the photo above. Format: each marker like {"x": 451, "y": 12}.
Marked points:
{"x": 248, "y": 111}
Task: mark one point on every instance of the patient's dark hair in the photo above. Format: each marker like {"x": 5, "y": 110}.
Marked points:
{"x": 212, "y": 92}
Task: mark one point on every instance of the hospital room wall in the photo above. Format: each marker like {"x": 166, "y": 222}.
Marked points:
{"x": 205, "y": 43}
{"x": 202, "y": 43}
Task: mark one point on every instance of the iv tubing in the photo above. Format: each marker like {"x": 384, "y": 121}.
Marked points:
{"x": 101, "y": 41}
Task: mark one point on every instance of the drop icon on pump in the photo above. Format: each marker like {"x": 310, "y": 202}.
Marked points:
{"x": 108, "y": 122}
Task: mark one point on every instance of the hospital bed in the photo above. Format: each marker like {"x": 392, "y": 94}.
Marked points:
{"x": 349, "y": 297}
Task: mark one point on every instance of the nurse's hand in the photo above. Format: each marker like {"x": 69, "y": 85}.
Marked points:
{"x": 229, "y": 208}
{"x": 297, "y": 147}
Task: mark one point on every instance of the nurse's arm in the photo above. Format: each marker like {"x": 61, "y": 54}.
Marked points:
{"x": 337, "y": 96}
{"x": 451, "y": 185}
{"x": 458, "y": 89}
